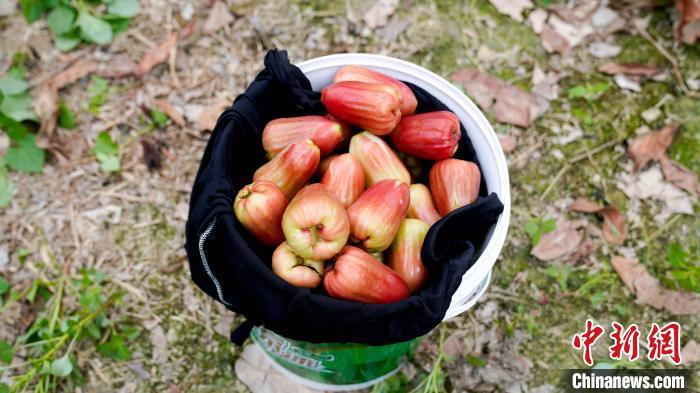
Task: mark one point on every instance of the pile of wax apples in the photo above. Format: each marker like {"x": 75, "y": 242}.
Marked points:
{"x": 360, "y": 229}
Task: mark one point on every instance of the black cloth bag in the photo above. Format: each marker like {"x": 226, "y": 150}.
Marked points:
{"x": 229, "y": 265}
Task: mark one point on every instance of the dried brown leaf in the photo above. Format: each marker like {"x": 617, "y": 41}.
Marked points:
{"x": 253, "y": 369}
{"x": 512, "y": 8}
{"x": 688, "y": 28}
{"x": 170, "y": 110}
{"x": 585, "y": 205}
{"x": 649, "y": 291}
{"x": 691, "y": 352}
{"x": 205, "y": 117}
{"x": 679, "y": 175}
{"x": 156, "y": 55}
{"x": 553, "y": 41}
{"x": 633, "y": 69}
{"x": 76, "y": 71}
{"x": 219, "y": 16}
{"x": 508, "y": 143}
{"x": 46, "y": 106}
{"x": 377, "y": 15}
{"x": 651, "y": 146}
{"x": 614, "y": 227}
{"x": 46, "y": 97}
{"x": 562, "y": 241}
{"x": 509, "y": 103}
{"x": 118, "y": 66}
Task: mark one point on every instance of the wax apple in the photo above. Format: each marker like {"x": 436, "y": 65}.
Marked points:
{"x": 404, "y": 256}
{"x": 357, "y": 276}
{"x": 292, "y": 168}
{"x": 280, "y": 133}
{"x": 375, "y": 107}
{"x": 431, "y": 136}
{"x": 315, "y": 224}
{"x": 344, "y": 179}
{"x": 296, "y": 270}
{"x": 377, "y": 159}
{"x": 362, "y": 74}
{"x": 454, "y": 183}
{"x": 259, "y": 207}
{"x": 421, "y": 206}
{"x": 377, "y": 213}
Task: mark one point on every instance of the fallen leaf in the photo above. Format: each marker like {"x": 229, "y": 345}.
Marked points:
{"x": 545, "y": 84}
{"x": 76, "y": 71}
{"x": 205, "y": 117}
{"x": 633, "y": 69}
{"x": 679, "y": 175}
{"x": 614, "y": 228}
{"x": 169, "y": 110}
{"x": 378, "y": 14}
{"x": 574, "y": 34}
{"x": 454, "y": 345}
{"x": 603, "y": 50}
{"x": 649, "y": 291}
{"x": 553, "y": 41}
{"x": 507, "y": 143}
{"x": 512, "y": 8}
{"x": 562, "y": 241}
{"x": 651, "y": 146}
{"x": 586, "y": 248}
{"x": 46, "y": 106}
{"x": 625, "y": 83}
{"x": 254, "y": 370}
{"x": 156, "y": 55}
{"x": 691, "y": 352}
{"x": 575, "y": 12}
{"x": 219, "y": 16}
{"x": 160, "y": 344}
{"x": 118, "y": 66}
{"x": 46, "y": 97}
{"x": 650, "y": 184}
{"x": 688, "y": 28}
{"x": 509, "y": 103}
{"x": 537, "y": 18}
{"x": 585, "y": 205}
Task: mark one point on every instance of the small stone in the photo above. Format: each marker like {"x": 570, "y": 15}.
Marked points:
{"x": 651, "y": 114}
{"x": 603, "y": 50}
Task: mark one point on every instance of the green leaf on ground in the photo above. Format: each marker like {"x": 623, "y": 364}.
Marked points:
{"x": 15, "y": 130}
{"x": 107, "y": 152}
{"x": 160, "y": 118}
{"x": 114, "y": 349}
{"x": 18, "y": 107}
{"x": 6, "y": 188}
{"x": 33, "y": 9}
{"x": 124, "y": 8}
{"x": 7, "y": 352}
{"x": 119, "y": 24}
{"x": 475, "y": 361}
{"x": 65, "y": 116}
{"x": 589, "y": 91}
{"x": 4, "y": 286}
{"x": 676, "y": 255}
{"x": 61, "y": 20}
{"x": 99, "y": 92}
{"x": 61, "y": 367}
{"x": 66, "y": 42}
{"x": 4, "y": 388}
{"x": 94, "y": 29}
{"x": 25, "y": 156}
{"x": 548, "y": 225}
{"x": 11, "y": 85}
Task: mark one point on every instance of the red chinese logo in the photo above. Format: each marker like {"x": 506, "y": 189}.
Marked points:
{"x": 665, "y": 341}
{"x": 624, "y": 342}
{"x": 662, "y": 341}
{"x": 586, "y": 340}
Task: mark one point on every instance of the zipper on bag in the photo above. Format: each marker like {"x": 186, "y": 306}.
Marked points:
{"x": 202, "y": 255}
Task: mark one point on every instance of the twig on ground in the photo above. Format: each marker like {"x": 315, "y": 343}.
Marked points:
{"x": 674, "y": 63}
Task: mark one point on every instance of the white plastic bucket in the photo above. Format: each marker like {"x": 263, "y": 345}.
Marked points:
{"x": 494, "y": 169}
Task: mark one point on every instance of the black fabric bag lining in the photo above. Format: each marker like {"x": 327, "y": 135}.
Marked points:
{"x": 236, "y": 269}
